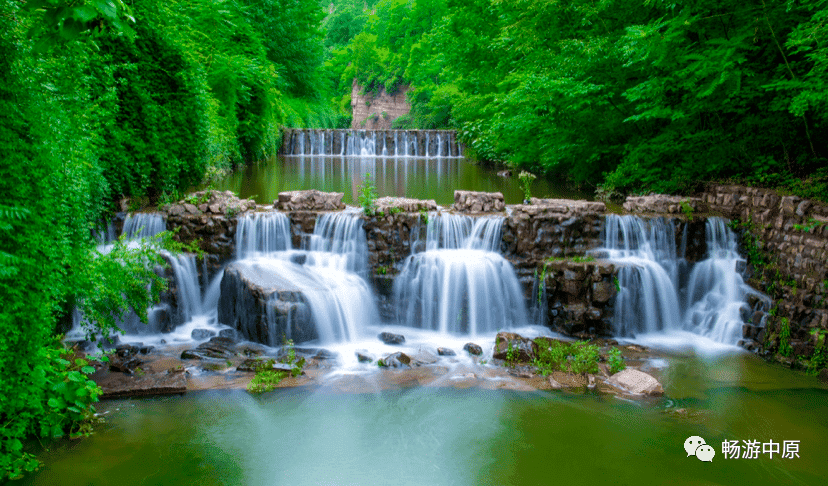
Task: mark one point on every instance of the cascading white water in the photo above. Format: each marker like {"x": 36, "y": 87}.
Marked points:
{"x": 372, "y": 143}
{"x": 189, "y": 299}
{"x": 341, "y": 234}
{"x": 262, "y": 233}
{"x": 716, "y": 291}
{"x": 326, "y": 272}
{"x": 143, "y": 225}
{"x": 653, "y": 277}
{"x": 460, "y": 284}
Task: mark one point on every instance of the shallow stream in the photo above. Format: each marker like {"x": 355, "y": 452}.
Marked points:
{"x": 445, "y": 435}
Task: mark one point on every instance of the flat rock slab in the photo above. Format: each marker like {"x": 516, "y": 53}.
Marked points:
{"x": 478, "y": 202}
{"x": 310, "y": 200}
{"x": 408, "y": 205}
{"x": 120, "y": 385}
{"x": 661, "y": 203}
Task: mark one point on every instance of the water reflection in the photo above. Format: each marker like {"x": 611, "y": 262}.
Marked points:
{"x": 421, "y": 178}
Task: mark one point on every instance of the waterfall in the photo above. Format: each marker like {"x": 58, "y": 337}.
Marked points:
{"x": 372, "y": 143}
{"x": 341, "y": 235}
{"x": 262, "y": 233}
{"x": 656, "y": 294}
{"x": 143, "y": 225}
{"x": 716, "y": 291}
{"x": 189, "y": 301}
{"x": 326, "y": 272}
{"x": 460, "y": 284}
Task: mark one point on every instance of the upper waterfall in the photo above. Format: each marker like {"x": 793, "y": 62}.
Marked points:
{"x": 372, "y": 143}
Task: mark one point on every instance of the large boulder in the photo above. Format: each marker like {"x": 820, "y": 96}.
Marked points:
{"x": 636, "y": 382}
{"x": 391, "y": 338}
{"x": 262, "y": 306}
{"x": 310, "y": 200}
{"x": 514, "y": 347}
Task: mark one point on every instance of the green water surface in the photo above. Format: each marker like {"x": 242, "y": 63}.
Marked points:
{"x": 447, "y": 436}
{"x": 432, "y": 178}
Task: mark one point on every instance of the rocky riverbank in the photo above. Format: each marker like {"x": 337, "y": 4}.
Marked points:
{"x": 223, "y": 362}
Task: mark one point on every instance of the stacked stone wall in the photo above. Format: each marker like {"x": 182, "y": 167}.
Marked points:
{"x": 793, "y": 234}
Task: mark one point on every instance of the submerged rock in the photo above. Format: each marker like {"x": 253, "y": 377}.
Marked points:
{"x": 391, "y": 338}
{"x": 424, "y": 357}
{"x": 561, "y": 379}
{"x": 364, "y": 357}
{"x": 216, "y": 348}
{"x": 474, "y": 349}
{"x": 124, "y": 364}
{"x": 446, "y": 352}
{"x": 396, "y": 360}
{"x": 199, "y": 334}
{"x": 229, "y": 333}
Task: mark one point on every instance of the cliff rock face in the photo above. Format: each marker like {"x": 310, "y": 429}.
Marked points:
{"x": 377, "y": 112}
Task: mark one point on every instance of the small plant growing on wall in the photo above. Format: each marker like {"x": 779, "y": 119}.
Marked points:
{"x": 526, "y": 179}
{"x": 785, "y": 338}
{"x": 368, "y": 195}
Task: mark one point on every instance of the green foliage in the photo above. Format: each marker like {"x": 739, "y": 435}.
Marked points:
{"x": 575, "y": 357}
{"x": 382, "y": 270}
{"x": 810, "y": 227}
{"x": 424, "y": 216}
{"x": 95, "y": 107}
{"x": 584, "y": 358}
{"x": 819, "y": 359}
{"x": 785, "y": 337}
{"x": 512, "y": 355}
{"x": 368, "y": 195}
{"x": 266, "y": 378}
{"x": 54, "y": 402}
{"x": 112, "y": 284}
{"x": 630, "y": 97}
{"x": 616, "y": 361}
{"x": 687, "y": 209}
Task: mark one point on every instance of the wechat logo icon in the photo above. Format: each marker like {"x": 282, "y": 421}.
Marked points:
{"x": 696, "y": 446}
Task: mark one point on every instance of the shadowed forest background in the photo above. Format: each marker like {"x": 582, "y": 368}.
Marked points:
{"x": 106, "y": 99}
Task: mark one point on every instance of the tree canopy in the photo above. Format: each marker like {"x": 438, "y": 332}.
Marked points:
{"x": 636, "y": 97}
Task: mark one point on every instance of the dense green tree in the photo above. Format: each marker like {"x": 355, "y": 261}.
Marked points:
{"x": 631, "y": 95}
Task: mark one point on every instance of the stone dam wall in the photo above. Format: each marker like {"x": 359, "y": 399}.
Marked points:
{"x": 380, "y": 142}
{"x": 551, "y": 242}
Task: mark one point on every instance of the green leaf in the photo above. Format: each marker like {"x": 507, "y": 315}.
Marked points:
{"x": 85, "y": 13}
{"x": 107, "y": 8}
